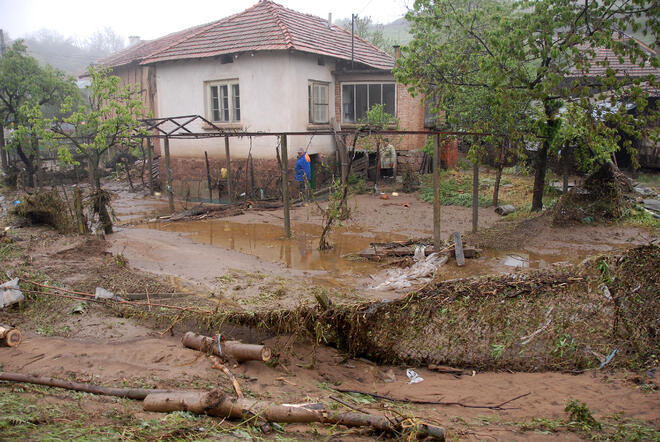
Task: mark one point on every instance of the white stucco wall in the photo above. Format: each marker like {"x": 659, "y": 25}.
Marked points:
{"x": 273, "y": 97}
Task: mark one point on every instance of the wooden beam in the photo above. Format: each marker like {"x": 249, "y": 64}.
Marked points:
{"x": 285, "y": 187}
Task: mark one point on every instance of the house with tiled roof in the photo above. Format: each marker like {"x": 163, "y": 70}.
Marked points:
{"x": 597, "y": 61}
{"x": 270, "y": 69}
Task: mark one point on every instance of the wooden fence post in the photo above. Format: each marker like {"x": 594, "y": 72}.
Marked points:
{"x": 230, "y": 195}
{"x": 437, "y": 241}
{"x": 208, "y": 177}
{"x": 170, "y": 191}
{"x": 285, "y": 187}
{"x": 150, "y": 165}
{"x": 475, "y": 196}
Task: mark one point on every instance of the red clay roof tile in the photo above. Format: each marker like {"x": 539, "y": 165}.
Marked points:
{"x": 268, "y": 26}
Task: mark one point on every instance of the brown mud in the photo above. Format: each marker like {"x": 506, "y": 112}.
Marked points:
{"x": 131, "y": 347}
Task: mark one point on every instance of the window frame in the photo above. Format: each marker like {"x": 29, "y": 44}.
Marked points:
{"x": 311, "y": 104}
{"x": 368, "y": 85}
{"x": 232, "y": 110}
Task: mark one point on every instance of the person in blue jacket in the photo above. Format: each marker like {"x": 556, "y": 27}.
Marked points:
{"x": 303, "y": 172}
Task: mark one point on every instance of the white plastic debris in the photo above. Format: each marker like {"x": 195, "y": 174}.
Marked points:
{"x": 413, "y": 376}
{"x": 102, "y": 293}
{"x": 419, "y": 273}
{"x": 10, "y": 293}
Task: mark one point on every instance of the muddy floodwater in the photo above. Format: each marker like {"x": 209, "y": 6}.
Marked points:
{"x": 267, "y": 242}
{"x": 300, "y": 252}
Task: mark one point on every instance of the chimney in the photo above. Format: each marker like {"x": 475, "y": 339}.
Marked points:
{"x": 397, "y": 51}
{"x": 329, "y": 19}
{"x": 133, "y": 40}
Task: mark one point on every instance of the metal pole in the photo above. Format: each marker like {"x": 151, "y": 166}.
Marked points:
{"x": 285, "y": 187}
{"x": 352, "y": 39}
{"x": 170, "y": 191}
{"x": 437, "y": 241}
{"x": 230, "y": 194}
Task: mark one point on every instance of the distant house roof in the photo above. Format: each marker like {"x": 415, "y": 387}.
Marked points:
{"x": 603, "y": 59}
{"x": 266, "y": 26}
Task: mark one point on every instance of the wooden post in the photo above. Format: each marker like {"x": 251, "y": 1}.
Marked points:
{"x": 458, "y": 249}
{"x": 3, "y": 152}
{"x": 475, "y": 197}
{"x": 208, "y": 177}
{"x": 150, "y": 165}
{"x": 230, "y": 195}
{"x": 170, "y": 191}
{"x": 437, "y": 241}
{"x": 81, "y": 222}
{"x": 285, "y": 187}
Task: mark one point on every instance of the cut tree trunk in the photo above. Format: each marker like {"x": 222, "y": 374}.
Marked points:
{"x": 10, "y": 336}
{"x": 216, "y": 403}
{"x": 230, "y": 349}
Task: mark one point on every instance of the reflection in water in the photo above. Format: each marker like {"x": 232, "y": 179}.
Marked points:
{"x": 267, "y": 241}
{"x": 301, "y": 252}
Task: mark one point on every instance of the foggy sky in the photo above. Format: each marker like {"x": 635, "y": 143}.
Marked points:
{"x": 150, "y": 19}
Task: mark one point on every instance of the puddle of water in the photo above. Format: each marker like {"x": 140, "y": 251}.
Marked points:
{"x": 267, "y": 242}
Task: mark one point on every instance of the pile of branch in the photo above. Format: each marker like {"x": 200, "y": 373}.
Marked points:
{"x": 201, "y": 211}
{"x": 398, "y": 249}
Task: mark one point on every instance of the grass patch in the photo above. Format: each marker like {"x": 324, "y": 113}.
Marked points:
{"x": 456, "y": 189}
{"x": 30, "y": 413}
{"x": 580, "y": 420}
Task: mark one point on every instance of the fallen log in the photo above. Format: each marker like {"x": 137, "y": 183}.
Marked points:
{"x": 218, "y": 404}
{"x": 9, "y": 336}
{"x": 129, "y": 393}
{"x": 227, "y": 349}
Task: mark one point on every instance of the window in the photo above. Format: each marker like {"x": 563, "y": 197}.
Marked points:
{"x": 358, "y": 98}
{"x": 224, "y": 101}
{"x": 318, "y": 102}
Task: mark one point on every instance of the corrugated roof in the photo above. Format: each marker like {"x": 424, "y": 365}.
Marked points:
{"x": 269, "y": 26}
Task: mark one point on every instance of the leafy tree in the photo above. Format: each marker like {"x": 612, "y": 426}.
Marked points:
{"x": 103, "y": 42}
{"x": 108, "y": 119}
{"x": 367, "y": 30}
{"x": 23, "y": 85}
{"x": 526, "y": 52}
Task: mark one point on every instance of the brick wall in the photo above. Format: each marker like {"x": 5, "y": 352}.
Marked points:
{"x": 410, "y": 112}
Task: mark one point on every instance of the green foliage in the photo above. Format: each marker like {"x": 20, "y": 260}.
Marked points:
{"x": 377, "y": 119}
{"x": 455, "y": 192}
{"x": 580, "y": 415}
{"x": 508, "y": 68}
{"x": 109, "y": 119}
{"x": 367, "y": 30}
{"x": 27, "y": 91}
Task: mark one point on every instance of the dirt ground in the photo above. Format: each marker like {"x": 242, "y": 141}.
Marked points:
{"x": 200, "y": 264}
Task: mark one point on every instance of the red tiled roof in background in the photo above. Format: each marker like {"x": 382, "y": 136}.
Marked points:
{"x": 622, "y": 68}
{"x": 269, "y": 26}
